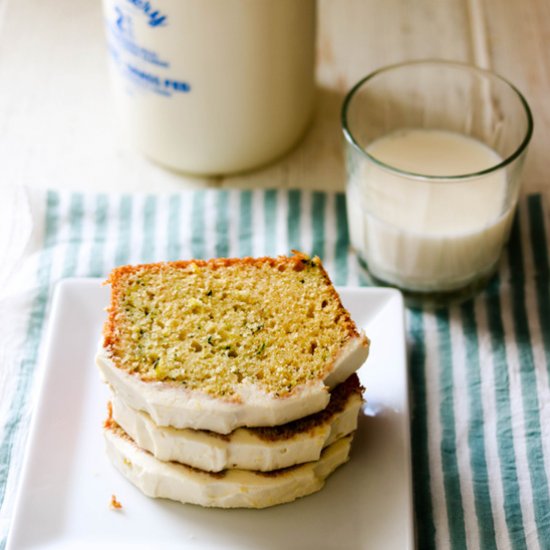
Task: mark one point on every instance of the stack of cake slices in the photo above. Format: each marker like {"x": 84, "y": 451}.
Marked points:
{"x": 233, "y": 380}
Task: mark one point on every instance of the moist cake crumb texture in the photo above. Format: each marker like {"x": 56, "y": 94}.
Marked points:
{"x": 274, "y": 323}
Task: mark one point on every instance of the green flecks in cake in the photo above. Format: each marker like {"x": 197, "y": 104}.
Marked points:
{"x": 271, "y": 325}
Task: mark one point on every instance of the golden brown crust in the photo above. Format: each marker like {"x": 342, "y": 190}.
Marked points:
{"x": 339, "y": 398}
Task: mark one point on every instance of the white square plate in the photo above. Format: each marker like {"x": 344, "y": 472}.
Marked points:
{"x": 67, "y": 481}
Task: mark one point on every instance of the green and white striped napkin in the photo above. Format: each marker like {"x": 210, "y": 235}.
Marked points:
{"x": 480, "y": 372}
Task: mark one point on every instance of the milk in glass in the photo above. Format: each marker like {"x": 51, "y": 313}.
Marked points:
{"x": 428, "y": 234}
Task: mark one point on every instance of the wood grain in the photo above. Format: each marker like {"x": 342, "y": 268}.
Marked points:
{"x": 518, "y": 38}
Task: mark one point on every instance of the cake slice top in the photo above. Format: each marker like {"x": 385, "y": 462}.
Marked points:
{"x": 216, "y": 326}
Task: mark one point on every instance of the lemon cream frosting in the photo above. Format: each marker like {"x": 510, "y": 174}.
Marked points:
{"x": 249, "y": 449}
{"x": 227, "y": 489}
{"x": 170, "y": 404}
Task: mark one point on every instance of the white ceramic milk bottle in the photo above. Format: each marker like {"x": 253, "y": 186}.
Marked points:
{"x": 212, "y": 86}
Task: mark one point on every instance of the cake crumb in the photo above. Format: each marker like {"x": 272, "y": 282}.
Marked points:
{"x": 115, "y": 504}
{"x": 219, "y": 326}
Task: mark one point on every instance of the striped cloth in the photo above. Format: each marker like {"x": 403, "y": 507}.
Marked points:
{"x": 479, "y": 372}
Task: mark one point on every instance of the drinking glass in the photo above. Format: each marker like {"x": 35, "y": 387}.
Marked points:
{"x": 434, "y": 152}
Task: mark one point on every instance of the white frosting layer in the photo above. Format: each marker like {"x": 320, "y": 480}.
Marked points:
{"x": 233, "y": 489}
{"x": 241, "y": 449}
{"x": 172, "y": 405}
{"x": 351, "y": 357}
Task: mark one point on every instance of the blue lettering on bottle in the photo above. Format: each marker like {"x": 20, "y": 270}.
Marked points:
{"x": 155, "y": 17}
{"x": 128, "y": 54}
{"x": 120, "y": 19}
{"x": 157, "y": 84}
{"x": 177, "y": 85}
{"x": 127, "y": 43}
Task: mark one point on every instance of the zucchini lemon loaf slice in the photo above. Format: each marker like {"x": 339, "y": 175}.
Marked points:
{"x": 227, "y": 489}
{"x": 226, "y": 343}
{"x": 260, "y": 449}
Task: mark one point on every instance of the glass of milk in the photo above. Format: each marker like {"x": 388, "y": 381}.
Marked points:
{"x": 434, "y": 151}
{"x": 212, "y": 86}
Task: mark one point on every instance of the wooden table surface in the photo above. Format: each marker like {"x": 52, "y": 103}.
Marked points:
{"x": 57, "y": 126}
